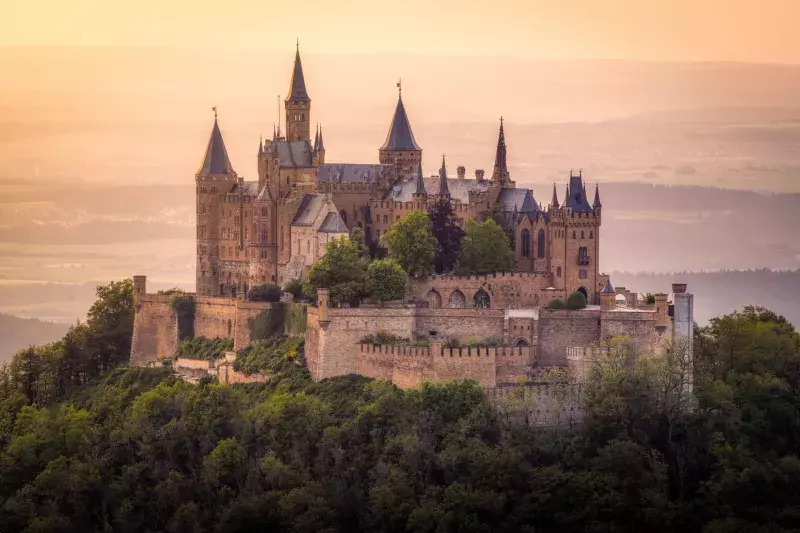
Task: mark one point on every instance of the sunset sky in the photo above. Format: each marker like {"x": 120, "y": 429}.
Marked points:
{"x": 661, "y": 30}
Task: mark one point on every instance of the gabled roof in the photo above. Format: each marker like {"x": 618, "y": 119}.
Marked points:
{"x": 520, "y": 199}
{"x": 333, "y": 223}
{"x": 293, "y": 154}
{"x": 308, "y": 209}
{"x": 297, "y": 87}
{"x": 351, "y": 172}
{"x": 247, "y": 188}
{"x": 216, "y": 159}
{"x": 400, "y": 136}
{"x": 403, "y": 190}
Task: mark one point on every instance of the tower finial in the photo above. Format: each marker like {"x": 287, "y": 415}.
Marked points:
{"x": 298, "y": 44}
{"x": 400, "y": 87}
{"x": 214, "y": 109}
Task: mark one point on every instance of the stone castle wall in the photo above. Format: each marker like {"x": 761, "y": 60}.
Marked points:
{"x": 155, "y": 330}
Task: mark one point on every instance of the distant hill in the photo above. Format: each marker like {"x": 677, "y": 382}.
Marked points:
{"x": 721, "y": 292}
{"x": 17, "y": 333}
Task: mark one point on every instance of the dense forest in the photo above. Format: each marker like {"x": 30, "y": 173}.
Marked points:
{"x": 87, "y": 444}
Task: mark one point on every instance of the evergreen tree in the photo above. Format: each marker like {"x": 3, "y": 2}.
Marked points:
{"x": 448, "y": 235}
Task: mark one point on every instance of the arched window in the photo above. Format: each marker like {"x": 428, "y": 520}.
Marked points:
{"x": 308, "y": 247}
{"x": 481, "y": 300}
{"x": 283, "y": 240}
{"x": 434, "y": 299}
{"x": 583, "y": 236}
{"x": 573, "y": 234}
{"x": 558, "y": 272}
{"x": 521, "y": 343}
{"x": 526, "y": 243}
{"x": 457, "y": 299}
{"x": 591, "y": 235}
{"x": 540, "y": 244}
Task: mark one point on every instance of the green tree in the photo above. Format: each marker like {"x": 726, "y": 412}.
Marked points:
{"x": 412, "y": 244}
{"x": 343, "y": 270}
{"x": 448, "y": 235}
{"x": 386, "y": 280}
{"x": 485, "y": 249}
{"x": 502, "y": 219}
{"x": 576, "y": 300}
{"x": 556, "y": 303}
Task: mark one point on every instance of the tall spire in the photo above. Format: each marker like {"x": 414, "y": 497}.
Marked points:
{"x": 444, "y": 190}
{"x": 419, "y": 189}
{"x": 297, "y": 87}
{"x": 400, "y": 136}
{"x": 567, "y": 203}
{"x": 321, "y": 147}
{"x": 596, "y": 202}
{"x": 216, "y": 159}
{"x": 316, "y": 138}
{"x": 260, "y": 145}
{"x": 555, "y": 197}
{"x": 500, "y": 167}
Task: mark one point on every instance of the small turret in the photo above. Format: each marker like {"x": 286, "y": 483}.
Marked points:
{"x": 444, "y": 190}
{"x": 555, "y": 197}
{"x": 321, "y": 147}
{"x": 139, "y": 290}
{"x": 596, "y": 202}
{"x": 419, "y": 188}
{"x": 608, "y": 297}
{"x": 323, "y": 303}
{"x": 260, "y": 146}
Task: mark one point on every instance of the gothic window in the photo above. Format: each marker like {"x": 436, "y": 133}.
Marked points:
{"x": 583, "y": 236}
{"x": 378, "y": 235}
{"x": 481, "y": 300}
{"x": 583, "y": 255}
{"x": 540, "y": 244}
{"x": 573, "y": 234}
{"x": 457, "y": 299}
{"x": 558, "y": 272}
{"x": 385, "y": 219}
{"x": 434, "y": 299}
{"x": 591, "y": 235}
{"x": 526, "y": 243}
{"x": 263, "y": 211}
{"x": 282, "y": 238}
{"x": 263, "y": 234}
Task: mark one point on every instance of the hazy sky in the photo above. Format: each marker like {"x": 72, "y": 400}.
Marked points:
{"x": 693, "y": 30}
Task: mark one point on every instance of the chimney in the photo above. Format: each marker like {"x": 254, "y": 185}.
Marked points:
{"x": 462, "y": 172}
{"x": 479, "y": 174}
{"x": 678, "y": 288}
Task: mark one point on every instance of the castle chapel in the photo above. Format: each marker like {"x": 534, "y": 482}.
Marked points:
{"x": 274, "y": 229}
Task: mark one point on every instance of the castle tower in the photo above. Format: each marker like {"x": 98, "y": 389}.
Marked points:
{"x": 400, "y": 144}
{"x": 214, "y": 178}
{"x": 320, "y": 147}
{"x": 298, "y": 105}
{"x": 608, "y": 297}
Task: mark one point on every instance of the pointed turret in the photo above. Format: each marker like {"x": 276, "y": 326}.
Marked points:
{"x": 297, "y": 87}
{"x": 608, "y": 288}
{"x": 555, "y": 197}
{"x": 316, "y": 139}
{"x": 566, "y": 198}
{"x": 260, "y": 146}
{"x": 321, "y": 147}
{"x": 500, "y": 172}
{"x": 419, "y": 187}
{"x": 216, "y": 160}
{"x": 596, "y": 202}
{"x": 444, "y": 190}
{"x": 608, "y": 297}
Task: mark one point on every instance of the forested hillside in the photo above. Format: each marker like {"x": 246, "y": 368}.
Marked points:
{"x": 16, "y": 332}
{"x": 89, "y": 445}
{"x": 724, "y": 291}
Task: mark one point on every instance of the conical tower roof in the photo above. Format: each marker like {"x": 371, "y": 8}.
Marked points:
{"x": 400, "y": 136}
{"x": 608, "y": 288}
{"x": 321, "y": 147}
{"x": 500, "y": 165}
{"x": 596, "y": 202}
{"x": 555, "y": 197}
{"x": 216, "y": 159}
{"x": 444, "y": 190}
{"x": 419, "y": 188}
{"x": 297, "y": 87}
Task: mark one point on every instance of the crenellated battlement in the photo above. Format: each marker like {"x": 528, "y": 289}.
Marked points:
{"x": 487, "y": 277}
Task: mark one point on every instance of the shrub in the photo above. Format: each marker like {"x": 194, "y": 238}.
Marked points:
{"x": 452, "y": 342}
{"x": 264, "y": 293}
{"x": 484, "y": 343}
{"x": 649, "y": 298}
{"x": 295, "y": 288}
{"x": 385, "y": 338}
{"x": 184, "y": 306}
{"x": 203, "y": 348}
{"x": 576, "y": 300}
{"x": 557, "y": 303}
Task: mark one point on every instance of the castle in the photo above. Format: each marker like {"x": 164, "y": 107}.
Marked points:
{"x": 495, "y": 328}
{"x": 274, "y": 229}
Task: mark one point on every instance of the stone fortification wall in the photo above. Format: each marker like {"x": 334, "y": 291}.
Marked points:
{"x": 460, "y": 324}
{"x": 155, "y": 329}
{"x": 581, "y": 361}
{"x": 647, "y": 335}
{"x": 214, "y": 316}
{"x": 408, "y": 366}
{"x": 559, "y": 329}
{"x": 506, "y": 290}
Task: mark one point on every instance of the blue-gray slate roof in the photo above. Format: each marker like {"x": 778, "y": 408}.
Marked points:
{"x": 520, "y": 200}
{"x": 333, "y": 223}
{"x": 402, "y": 191}
{"x": 216, "y": 160}
{"x": 308, "y": 209}
{"x": 400, "y": 136}
{"x": 351, "y": 172}
{"x": 577, "y": 199}
{"x": 297, "y": 87}
{"x": 293, "y": 154}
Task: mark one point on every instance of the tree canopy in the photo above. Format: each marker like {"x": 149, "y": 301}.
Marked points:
{"x": 411, "y": 243}
{"x": 485, "y": 249}
{"x": 343, "y": 270}
{"x": 386, "y": 280}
